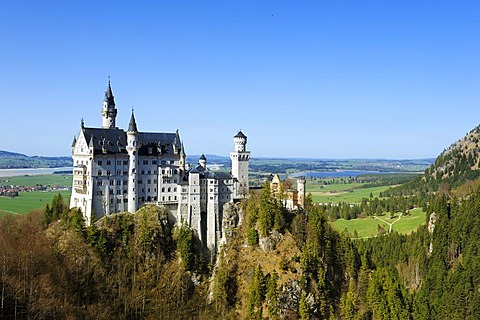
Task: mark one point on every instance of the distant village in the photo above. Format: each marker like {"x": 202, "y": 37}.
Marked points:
{"x": 11, "y": 191}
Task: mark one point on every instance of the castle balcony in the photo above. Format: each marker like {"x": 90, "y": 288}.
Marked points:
{"x": 164, "y": 202}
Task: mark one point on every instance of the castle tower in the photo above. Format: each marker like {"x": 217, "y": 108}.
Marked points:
{"x": 202, "y": 161}
{"x": 240, "y": 158}
{"x": 183, "y": 157}
{"x": 301, "y": 192}
{"x": 132, "y": 149}
{"x": 109, "y": 111}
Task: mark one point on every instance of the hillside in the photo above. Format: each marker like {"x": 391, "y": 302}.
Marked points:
{"x": 12, "y": 160}
{"x": 455, "y": 171}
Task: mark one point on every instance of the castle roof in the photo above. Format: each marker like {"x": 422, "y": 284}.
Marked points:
{"x": 202, "y": 157}
{"x": 106, "y": 140}
{"x": 132, "y": 126}
{"x": 109, "y": 95}
{"x": 240, "y": 134}
{"x": 113, "y": 141}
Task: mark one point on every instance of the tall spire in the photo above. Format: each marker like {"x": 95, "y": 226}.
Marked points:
{"x": 132, "y": 126}
{"x": 109, "y": 111}
{"x": 109, "y": 94}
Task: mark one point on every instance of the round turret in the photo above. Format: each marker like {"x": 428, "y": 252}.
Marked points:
{"x": 240, "y": 141}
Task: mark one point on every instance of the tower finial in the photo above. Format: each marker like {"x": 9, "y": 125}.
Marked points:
{"x": 82, "y": 123}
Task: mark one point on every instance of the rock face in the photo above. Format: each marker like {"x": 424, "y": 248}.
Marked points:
{"x": 289, "y": 298}
{"x": 269, "y": 243}
{"x": 231, "y": 218}
{"x": 431, "y": 222}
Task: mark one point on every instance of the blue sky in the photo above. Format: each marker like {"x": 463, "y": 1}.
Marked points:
{"x": 318, "y": 79}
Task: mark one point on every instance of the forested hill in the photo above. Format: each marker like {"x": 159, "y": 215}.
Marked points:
{"x": 456, "y": 170}
{"x": 12, "y": 160}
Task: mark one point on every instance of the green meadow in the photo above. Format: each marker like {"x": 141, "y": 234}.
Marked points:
{"x": 368, "y": 227}
{"x": 30, "y": 201}
{"x": 351, "y": 193}
{"x": 44, "y": 179}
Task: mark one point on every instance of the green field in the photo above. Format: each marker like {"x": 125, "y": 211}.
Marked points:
{"x": 350, "y": 193}
{"x": 368, "y": 227}
{"x": 44, "y": 179}
{"x": 29, "y": 201}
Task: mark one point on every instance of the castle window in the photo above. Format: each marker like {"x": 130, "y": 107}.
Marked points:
{"x": 125, "y": 162}
{"x": 111, "y": 201}
{"x": 119, "y": 191}
{"x": 175, "y": 171}
{"x": 163, "y": 189}
{"x": 149, "y": 172}
{"x": 109, "y": 162}
{"x": 154, "y": 161}
{"x": 119, "y": 162}
{"x": 112, "y": 182}
{"x": 149, "y": 181}
{"x": 119, "y": 172}
{"x": 155, "y": 198}
{"x": 175, "y": 198}
{"x": 174, "y": 180}
{"x": 119, "y": 200}
{"x": 155, "y": 181}
{"x": 148, "y": 189}
{"x": 119, "y": 182}
{"x": 99, "y": 182}
{"x": 140, "y": 181}
{"x": 125, "y": 173}
{"x": 145, "y": 161}
{"x": 108, "y": 173}
{"x": 143, "y": 199}
{"x": 125, "y": 191}
{"x": 154, "y": 189}
{"x": 143, "y": 190}
{"x": 99, "y": 172}
{"x": 169, "y": 198}
{"x": 143, "y": 171}
{"x": 125, "y": 200}
{"x": 169, "y": 189}
{"x": 99, "y": 193}
{"x": 163, "y": 171}
{"x": 149, "y": 198}
{"x": 99, "y": 162}
{"x": 111, "y": 191}
{"x": 175, "y": 189}
{"x": 163, "y": 198}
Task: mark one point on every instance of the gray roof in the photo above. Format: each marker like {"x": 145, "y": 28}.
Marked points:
{"x": 240, "y": 134}
{"x": 106, "y": 140}
{"x": 109, "y": 95}
{"x": 202, "y": 157}
{"x": 113, "y": 141}
{"x": 132, "y": 126}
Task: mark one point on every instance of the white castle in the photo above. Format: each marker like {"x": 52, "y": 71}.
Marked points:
{"x": 117, "y": 171}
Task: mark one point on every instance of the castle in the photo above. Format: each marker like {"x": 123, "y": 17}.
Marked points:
{"x": 117, "y": 171}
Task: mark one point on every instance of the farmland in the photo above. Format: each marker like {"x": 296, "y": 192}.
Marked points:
{"x": 368, "y": 227}
{"x": 342, "y": 191}
{"x": 29, "y": 201}
{"x": 26, "y": 202}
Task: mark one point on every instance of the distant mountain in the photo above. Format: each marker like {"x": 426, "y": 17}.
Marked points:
{"x": 12, "y": 160}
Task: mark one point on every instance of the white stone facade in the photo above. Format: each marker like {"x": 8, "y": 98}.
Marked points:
{"x": 117, "y": 171}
